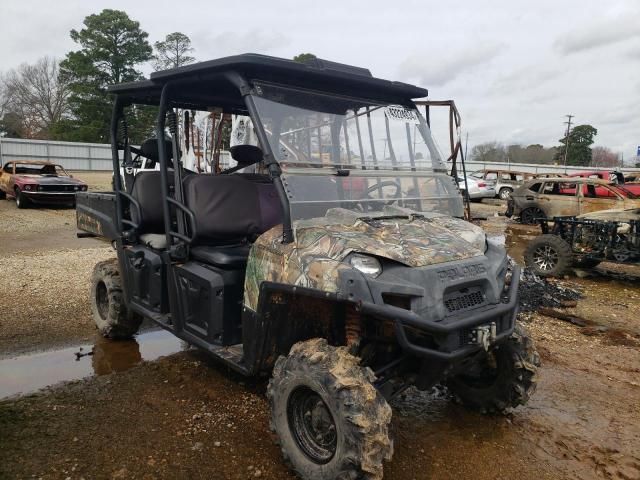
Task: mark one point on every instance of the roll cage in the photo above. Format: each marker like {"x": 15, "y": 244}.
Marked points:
{"x": 228, "y": 84}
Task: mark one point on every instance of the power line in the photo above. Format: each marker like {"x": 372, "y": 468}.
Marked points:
{"x": 566, "y": 146}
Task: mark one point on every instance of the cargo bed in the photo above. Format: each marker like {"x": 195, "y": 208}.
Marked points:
{"x": 96, "y": 214}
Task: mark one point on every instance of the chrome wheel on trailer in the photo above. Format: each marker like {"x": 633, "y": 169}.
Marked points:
{"x": 548, "y": 255}
{"x": 546, "y": 258}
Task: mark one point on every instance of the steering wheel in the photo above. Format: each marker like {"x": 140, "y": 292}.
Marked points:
{"x": 367, "y": 206}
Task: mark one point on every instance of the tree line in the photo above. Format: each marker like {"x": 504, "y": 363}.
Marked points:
{"x": 67, "y": 99}
{"x": 579, "y": 152}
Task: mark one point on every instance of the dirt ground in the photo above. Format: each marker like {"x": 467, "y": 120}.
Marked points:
{"x": 184, "y": 416}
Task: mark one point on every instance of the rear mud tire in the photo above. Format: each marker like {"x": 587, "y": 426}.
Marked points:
{"x": 110, "y": 314}
{"x": 357, "y": 415}
{"x": 507, "y": 376}
{"x": 548, "y": 255}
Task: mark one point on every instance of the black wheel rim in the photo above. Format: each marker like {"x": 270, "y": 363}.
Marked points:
{"x": 545, "y": 257}
{"x": 531, "y": 214}
{"x": 102, "y": 300}
{"x": 312, "y": 425}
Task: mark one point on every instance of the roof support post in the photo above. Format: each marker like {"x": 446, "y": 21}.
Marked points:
{"x": 164, "y": 163}
{"x": 269, "y": 158}
{"x": 116, "y": 115}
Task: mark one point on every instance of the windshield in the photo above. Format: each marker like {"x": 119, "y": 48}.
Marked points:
{"x": 39, "y": 169}
{"x": 354, "y": 154}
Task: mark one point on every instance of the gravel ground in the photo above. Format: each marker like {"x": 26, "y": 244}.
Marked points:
{"x": 45, "y": 298}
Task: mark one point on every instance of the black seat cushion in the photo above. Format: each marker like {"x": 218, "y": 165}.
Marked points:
{"x": 147, "y": 190}
{"x": 234, "y": 256}
{"x": 230, "y": 208}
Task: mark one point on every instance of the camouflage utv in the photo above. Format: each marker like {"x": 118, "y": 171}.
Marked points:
{"x": 333, "y": 256}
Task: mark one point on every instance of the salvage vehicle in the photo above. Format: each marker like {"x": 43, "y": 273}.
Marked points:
{"x": 477, "y": 189}
{"x": 613, "y": 176}
{"x": 341, "y": 266}
{"x": 585, "y": 241}
{"x": 555, "y": 197}
{"x": 504, "y": 182}
{"x": 38, "y": 182}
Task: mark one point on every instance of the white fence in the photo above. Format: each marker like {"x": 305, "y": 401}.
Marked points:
{"x": 72, "y": 156}
{"x": 535, "y": 167}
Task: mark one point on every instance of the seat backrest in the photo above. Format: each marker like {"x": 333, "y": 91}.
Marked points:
{"x": 147, "y": 190}
{"x": 231, "y": 208}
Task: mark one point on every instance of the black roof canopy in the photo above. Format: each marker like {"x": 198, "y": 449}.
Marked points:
{"x": 205, "y": 84}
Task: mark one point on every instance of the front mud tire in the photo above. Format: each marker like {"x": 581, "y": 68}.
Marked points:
{"x": 110, "y": 314}
{"x": 321, "y": 392}
{"x": 504, "y": 378}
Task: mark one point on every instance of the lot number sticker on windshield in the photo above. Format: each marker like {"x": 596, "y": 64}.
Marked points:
{"x": 401, "y": 114}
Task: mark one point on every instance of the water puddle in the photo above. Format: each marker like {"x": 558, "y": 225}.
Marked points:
{"x": 28, "y": 373}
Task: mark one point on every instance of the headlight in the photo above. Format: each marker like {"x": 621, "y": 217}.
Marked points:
{"x": 366, "y": 264}
{"x": 29, "y": 187}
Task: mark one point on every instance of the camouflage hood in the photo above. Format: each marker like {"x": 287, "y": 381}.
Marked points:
{"x": 415, "y": 241}
{"x": 316, "y": 257}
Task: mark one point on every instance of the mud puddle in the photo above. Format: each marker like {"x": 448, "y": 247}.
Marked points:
{"x": 27, "y": 373}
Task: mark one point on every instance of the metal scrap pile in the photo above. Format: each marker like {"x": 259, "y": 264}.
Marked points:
{"x": 536, "y": 292}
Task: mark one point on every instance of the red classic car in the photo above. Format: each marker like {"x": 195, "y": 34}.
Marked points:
{"x": 38, "y": 182}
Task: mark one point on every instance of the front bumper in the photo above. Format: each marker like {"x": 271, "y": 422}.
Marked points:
{"x": 450, "y": 335}
{"x": 50, "y": 197}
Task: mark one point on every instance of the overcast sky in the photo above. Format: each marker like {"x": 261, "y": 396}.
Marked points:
{"x": 515, "y": 68}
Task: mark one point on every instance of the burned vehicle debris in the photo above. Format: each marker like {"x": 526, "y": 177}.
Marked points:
{"x": 554, "y": 197}
{"x": 337, "y": 261}
{"x": 585, "y": 241}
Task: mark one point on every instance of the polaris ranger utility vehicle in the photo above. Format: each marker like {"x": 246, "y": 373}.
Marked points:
{"x": 337, "y": 261}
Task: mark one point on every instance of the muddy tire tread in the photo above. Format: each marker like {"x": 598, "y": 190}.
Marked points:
{"x": 519, "y": 386}
{"x": 362, "y": 408}
{"x": 120, "y": 323}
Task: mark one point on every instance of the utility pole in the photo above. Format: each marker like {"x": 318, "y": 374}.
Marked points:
{"x": 566, "y": 146}
{"x": 466, "y": 145}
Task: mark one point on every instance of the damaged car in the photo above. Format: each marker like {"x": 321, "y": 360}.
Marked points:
{"x": 556, "y": 197}
{"x": 39, "y": 182}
